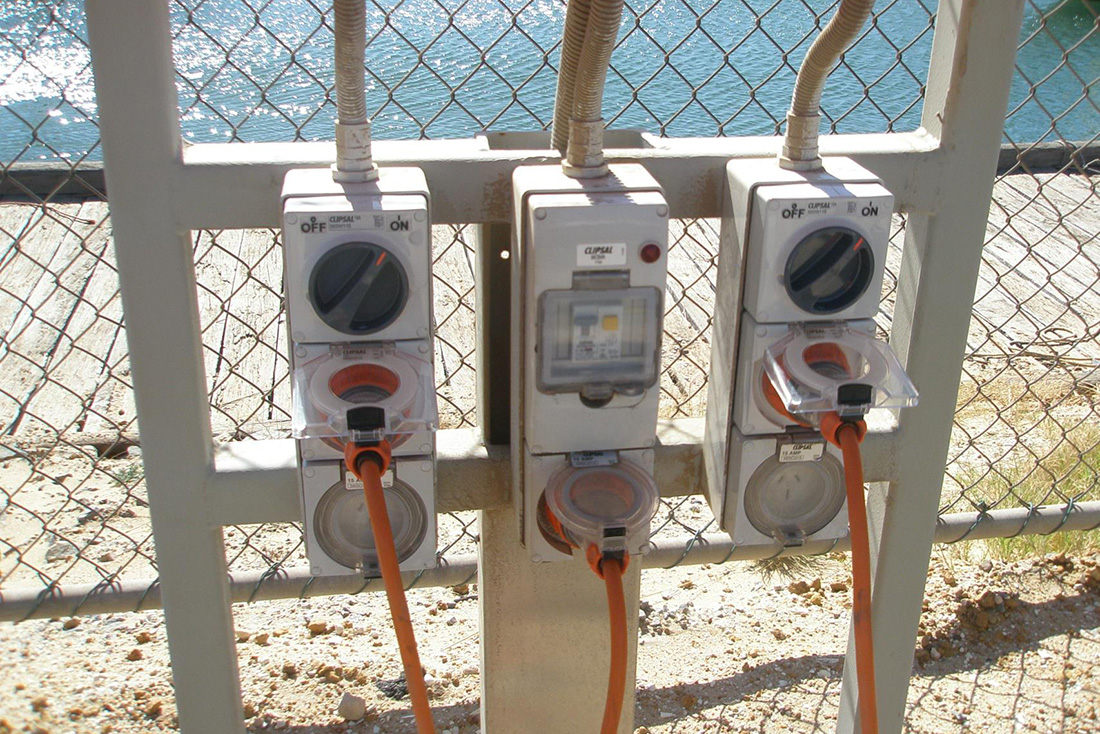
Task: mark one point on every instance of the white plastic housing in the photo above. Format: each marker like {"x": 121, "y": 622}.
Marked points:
{"x": 541, "y": 471}
{"x": 576, "y": 232}
{"x": 801, "y": 457}
{"x": 743, "y": 179}
{"x": 318, "y": 478}
{"x": 332, "y": 382}
{"x": 781, "y": 216}
{"x": 752, "y": 414}
{"x": 390, "y": 213}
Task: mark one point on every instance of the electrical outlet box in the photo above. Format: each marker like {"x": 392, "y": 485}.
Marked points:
{"x": 338, "y": 535}
{"x": 589, "y": 262}
{"x": 782, "y": 491}
{"x": 357, "y": 257}
{"x": 750, "y": 280}
{"x": 753, "y": 415}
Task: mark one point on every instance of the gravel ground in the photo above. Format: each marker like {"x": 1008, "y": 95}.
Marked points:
{"x": 1004, "y": 647}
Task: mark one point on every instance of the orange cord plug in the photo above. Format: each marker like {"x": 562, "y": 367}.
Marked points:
{"x": 369, "y": 463}
{"x": 848, "y": 436}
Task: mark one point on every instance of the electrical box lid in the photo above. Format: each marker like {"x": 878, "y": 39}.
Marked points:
{"x": 831, "y": 367}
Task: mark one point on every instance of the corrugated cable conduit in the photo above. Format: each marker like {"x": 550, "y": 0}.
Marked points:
{"x": 353, "y": 136}
{"x": 800, "y": 150}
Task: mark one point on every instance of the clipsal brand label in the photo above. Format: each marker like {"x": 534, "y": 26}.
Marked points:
{"x": 353, "y": 482}
{"x": 590, "y": 255}
{"x": 800, "y": 451}
{"x": 583, "y": 459}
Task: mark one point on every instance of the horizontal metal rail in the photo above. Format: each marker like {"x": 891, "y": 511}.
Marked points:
{"x": 251, "y": 586}
{"x": 83, "y": 180}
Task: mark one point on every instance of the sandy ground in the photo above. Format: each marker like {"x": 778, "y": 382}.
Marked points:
{"x": 1004, "y": 647}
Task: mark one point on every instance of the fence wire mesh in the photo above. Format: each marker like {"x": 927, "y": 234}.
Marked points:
{"x": 72, "y": 499}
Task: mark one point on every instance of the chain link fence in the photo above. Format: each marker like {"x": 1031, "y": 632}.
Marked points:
{"x": 72, "y": 499}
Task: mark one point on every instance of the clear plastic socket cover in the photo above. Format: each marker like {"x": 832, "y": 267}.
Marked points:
{"x": 599, "y": 342}
{"x": 603, "y": 505}
{"x": 819, "y": 368}
{"x": 365, "y": 392}
{"x": 343, "y": 529}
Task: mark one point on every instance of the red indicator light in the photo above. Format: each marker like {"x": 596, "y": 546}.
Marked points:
{"x": 857, "y": 244}
{"x": 651, "y": 253}
{"x": 383, "y": 257}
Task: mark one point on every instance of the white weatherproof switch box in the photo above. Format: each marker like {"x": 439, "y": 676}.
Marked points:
{"x": 589, "y": 261}
{"x": 357, "y": 257}
{"x": 816, "y": 251}
{"x": 754, "y": 260}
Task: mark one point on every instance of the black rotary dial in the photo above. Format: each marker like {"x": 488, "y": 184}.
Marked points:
{"x": 358, "y": 288}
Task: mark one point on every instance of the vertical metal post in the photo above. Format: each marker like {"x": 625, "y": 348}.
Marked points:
{"x": 139, "y": 121}
{"x": 493, "y": 286}
{"x": 967, "y": 94}
{"x": 545, "y": 649}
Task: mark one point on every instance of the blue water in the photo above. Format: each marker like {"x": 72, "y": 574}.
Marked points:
{"x": 257, "y": 70}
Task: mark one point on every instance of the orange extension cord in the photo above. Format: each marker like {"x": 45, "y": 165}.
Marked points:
{"x": 848, "y": 436}
{"x": 612, "y": 572}
{"x": 370, "y": 472}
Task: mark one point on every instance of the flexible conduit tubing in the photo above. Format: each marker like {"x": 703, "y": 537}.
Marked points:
{"x": 576, "y": 21}
{"x": 804, "y": 118}
{"x": 353, "y": 139}
{"x": 584, "y": 153}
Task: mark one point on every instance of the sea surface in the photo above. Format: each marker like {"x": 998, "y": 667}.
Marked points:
{"x": 258, "y": 70}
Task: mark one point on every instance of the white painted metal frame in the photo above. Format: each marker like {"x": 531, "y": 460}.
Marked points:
{"x": 941, "y": 175}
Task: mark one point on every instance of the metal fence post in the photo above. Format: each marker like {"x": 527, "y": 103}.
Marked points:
{"x": 967, "y": 93}
{"x": 136, "y": 94}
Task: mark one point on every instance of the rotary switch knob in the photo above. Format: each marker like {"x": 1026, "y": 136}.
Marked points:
{"x": 358, "y": 288}
{"x": 829, "y": 270}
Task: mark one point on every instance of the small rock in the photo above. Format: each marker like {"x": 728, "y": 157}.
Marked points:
{"x": 61, "y": 550}
{"x": 950, "y": 580}
{"x": 262, "y": 638}
{"x": 986, "y": 566}
{"x": 838, "y": 586}
{"x": 106, "y": 557}
{"x": 243, "y": 635}
{"x": 319, "y": 627}
{"x": 452, "y": 622}
{"x": 135, "y": 654}
{"x": 470, "y": 670}
{"x": 688, "y": 701}
{"x": 127, "y": 512}
{"x": 352, "y": 707}
{"x": 153, "y": 708}
{"x": 798, "y": 587}
{"x": 39, "y": 704}
{"x": 461, "y": 589}
{"x": 817, "y": 600}
{"x": 987, "y": 600}
{"x": 779, "y": 634}
{"x": 143, "y": 637}
{"x": 816, "y": 584}
{"x": 249, "y": 710}
{"x": 290, "y": 670}
{"x": 935, "y": 654}
{"x": 822, "y": 673}
{"x": 71, "y": 623}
